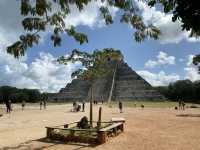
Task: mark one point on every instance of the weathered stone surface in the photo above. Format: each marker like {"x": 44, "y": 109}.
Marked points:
{"x": 76, "y": 90}
{"x": 128, "y": 85}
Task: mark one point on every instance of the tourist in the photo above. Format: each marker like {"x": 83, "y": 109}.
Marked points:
{"x": 8, "y": 106}
{"x": 23, "y": 104}
{"x": 83, "y": 106}
{"x": 74, "y": 106}
{"x": 74, "y": 103}
{"x": 183, "y": 105}
{"x": 78, "y": 108}
{"x": 120, "y": 106}
{"x": 179, "y": 104}
{"x": 102, "y": 99}
{"x": 44, "y": 104}
{"x": 40, "y": 105}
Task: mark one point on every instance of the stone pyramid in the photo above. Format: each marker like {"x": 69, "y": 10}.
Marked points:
{"x": 127, "y": 85}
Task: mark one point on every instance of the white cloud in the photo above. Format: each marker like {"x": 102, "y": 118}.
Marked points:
{"x": 171, "y": 31}
{"x": 90, "y": 16}
{"x": 11, "y": 28}
{"x": 191, "y": 70}
{"x": 43, "y": 73}
{"x": 162, "y": 59}
{"x": 160, "y": 79}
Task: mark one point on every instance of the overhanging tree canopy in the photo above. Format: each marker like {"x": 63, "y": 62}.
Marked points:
{"x": 187, "y": 12}
{"x": 94, "y": 65}
{"x": 39, "y": 15}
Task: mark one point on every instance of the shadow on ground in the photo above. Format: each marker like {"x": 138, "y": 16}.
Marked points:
{"x": 188, "y": 115}
{"x": 45, "y": 143}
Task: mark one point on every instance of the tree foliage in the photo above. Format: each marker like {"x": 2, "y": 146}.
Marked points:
{"x": 18, "y": 95}
{"x": 185, "y": 11}
{"x": 40, "y": 15}
{"x": 183, "y": 89}
{"x": 95, "y": 65}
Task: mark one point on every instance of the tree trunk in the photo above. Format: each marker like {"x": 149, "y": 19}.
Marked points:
{"x": 112, "y": 86}
{"x": 91, "y": 106}
{"x": 99, "y": 120}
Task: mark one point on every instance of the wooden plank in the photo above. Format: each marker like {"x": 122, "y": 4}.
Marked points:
{"x": 112, "y": 126}
{"x": 117, "y": 119}
{"x": 71, "y": 129}
{"x": 77, "y": 122}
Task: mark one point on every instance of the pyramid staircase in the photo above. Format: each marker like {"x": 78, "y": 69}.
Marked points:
{"x": 128, "y": 85}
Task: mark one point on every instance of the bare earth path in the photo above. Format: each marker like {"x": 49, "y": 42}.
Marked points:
{"x": 148, "y": 129}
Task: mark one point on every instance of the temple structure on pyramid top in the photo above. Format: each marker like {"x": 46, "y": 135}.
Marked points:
{"x": 124, "y": 84}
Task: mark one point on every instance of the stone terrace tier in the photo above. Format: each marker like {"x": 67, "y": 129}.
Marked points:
{"x": 128, "y": 85}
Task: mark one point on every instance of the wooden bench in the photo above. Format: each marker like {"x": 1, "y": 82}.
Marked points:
{"x": 101, "y": 135}
{"x": 104, "y": 132}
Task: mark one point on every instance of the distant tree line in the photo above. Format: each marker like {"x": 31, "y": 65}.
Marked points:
{"x": 183, "y": 89}
{"x": 18, "y": 95}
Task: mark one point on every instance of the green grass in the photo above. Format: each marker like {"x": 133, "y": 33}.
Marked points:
{"x": 151, "y": 104}
{"x": 127, "y": 103}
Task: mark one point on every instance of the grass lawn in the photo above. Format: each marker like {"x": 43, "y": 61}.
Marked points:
{"x": 152, "y": 104}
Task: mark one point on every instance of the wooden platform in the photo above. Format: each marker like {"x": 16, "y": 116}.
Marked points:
{"x": 69, "y": 132}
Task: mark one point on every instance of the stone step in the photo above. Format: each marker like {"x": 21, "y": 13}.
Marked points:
{"x": 136, "y": 92}
{"x": 128, "y": 85}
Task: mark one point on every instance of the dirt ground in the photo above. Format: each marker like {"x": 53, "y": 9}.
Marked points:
{"x": 148, "y": 129}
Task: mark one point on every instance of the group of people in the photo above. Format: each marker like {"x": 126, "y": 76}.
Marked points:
{"x": 96, "y": 102}
{"x": 77, "y": 107}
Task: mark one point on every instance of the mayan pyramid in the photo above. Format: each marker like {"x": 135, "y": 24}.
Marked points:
{"x": 126, "y": 83}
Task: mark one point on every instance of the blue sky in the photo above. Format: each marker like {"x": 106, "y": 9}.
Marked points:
{"x": 159, "y": 62}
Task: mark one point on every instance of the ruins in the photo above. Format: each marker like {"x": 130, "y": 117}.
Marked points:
{"x": 127, "y": 85}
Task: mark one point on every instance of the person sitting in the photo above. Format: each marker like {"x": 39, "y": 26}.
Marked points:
{"x": 83, "y": 123}
{"x": 78, "y": 108}
{"x": 74, "y": 107}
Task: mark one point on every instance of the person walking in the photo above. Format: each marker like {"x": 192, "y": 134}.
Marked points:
{"x": 83, "y": 106}
{"x": 179, "y": 104}
{"x": 23, "y": 104}
{"x": 40, "y": 105}
{"x": 183, "y": 105}
{"x": 8, "y": 106}
{"x": 120, "y": 106}
{"x": 44, "y": 104}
